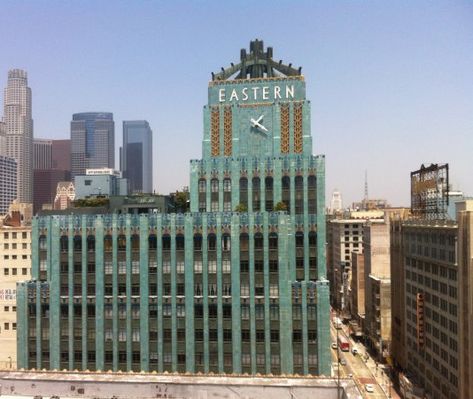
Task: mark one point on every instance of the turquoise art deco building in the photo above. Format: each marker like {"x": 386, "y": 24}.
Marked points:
{"x": 237, "y": 285}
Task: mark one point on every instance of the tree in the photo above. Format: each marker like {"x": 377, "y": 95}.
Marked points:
{"x": 241, "y": 208}
{"x": 181, "y": 200}
{"x": 280, "y": 206}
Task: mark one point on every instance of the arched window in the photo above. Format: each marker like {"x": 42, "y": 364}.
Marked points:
{"x": 256, "y": 188}
{"x": 226, "y": 242}
{"x": 227, "y": 195}
{"x": 299, "y": 239}
{"x": 152, "y": 242}
{"x": 312, "y": 194}
{"x": 212, "y": 242}
{"x": 268, "y": 185}
{"x": 90, "y": 243}
{"x": 197, "y": 242}
{"x": 259, "y": 242}
{"x": 299, "y": 194}
{"x": 166, "y": 240}
{"x": 121, "y": 242}
{"x": 64, "y": 243}
{"x": 107, "y": 243}
{"x": 77, "y": 243}
{"x": 135, "y": 242}
{"x": 244, "y": 192}
{"x": 202, "y": 186}
{"x": 180, "y": 242}
{"x": 214, "y": 185}
{"x": 286, "y": 192}
{"x": 202, "y": 195}
{"x": 214, "y": 195}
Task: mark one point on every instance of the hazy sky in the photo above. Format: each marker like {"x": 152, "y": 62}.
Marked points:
{"x": 391, "y": 83}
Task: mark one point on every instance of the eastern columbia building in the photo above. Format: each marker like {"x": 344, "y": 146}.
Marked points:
{"x": 237, "y": 285}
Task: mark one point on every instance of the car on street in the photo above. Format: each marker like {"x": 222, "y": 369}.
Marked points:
{"x": 354, "y": 350}
{"x": 369, "y": 388}
{"x": 334, "y": 345}
{"x": 343, "y": 362}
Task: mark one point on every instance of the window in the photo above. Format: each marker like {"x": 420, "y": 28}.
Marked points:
{"x": 202, "y": 186}
{"x": 87, "y": 182}
{"x": 180, "y": 266}
{"x": 122, "y": 267}
{"x": 227, "y": 185}
{"x": 226, "y": 265}
{"x": 135, "y": 266}
{"x": 6, "y": 326}
{"x": 198, "y": 266}
{"x": 212, "y": 266}
{"x": 108, "y": 267}
{"x": 167, "y": 266}
{"x": 214, "y": 185}
{"x": 245, "y": 312}
{"x": 135, "y": 336}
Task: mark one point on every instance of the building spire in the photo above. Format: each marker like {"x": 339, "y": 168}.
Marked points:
{"x": 257, "y": 64}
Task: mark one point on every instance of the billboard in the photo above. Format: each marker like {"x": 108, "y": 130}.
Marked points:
{"x": 429, "y": 191}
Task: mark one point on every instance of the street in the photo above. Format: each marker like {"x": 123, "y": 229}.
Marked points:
{"x": 362, "y": 372}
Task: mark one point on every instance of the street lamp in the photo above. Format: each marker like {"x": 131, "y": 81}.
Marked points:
{"x": 338, "y": 359}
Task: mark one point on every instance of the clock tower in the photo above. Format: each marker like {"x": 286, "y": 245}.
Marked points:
{"x": 257, "y": 108}
{"x": 256, "y": 162}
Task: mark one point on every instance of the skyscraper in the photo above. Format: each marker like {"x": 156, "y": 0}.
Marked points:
{"x": 92, "y": 141}
{"x": 19, "y": 130}
{"x": 51, "y": 164}
{"x": 235, "y": 286}
{"x": 61, "y": 154}
{"x": 3, "y": 139}
{"x": 137, "y": 156}
{"x": 42, "y": 154}
{"x": 8, "y": 189}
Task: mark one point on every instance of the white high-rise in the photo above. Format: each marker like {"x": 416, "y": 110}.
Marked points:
{"x": 19, "y": 130}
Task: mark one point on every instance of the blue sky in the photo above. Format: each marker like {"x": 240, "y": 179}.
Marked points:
{"x": 391, "y": 83}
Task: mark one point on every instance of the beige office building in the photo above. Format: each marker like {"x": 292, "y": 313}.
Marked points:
{"x": 436, "y": 266}
{"x": 344, "y": 237}
{"x": 15, "y": 265}
{"x": 377, "y": 275}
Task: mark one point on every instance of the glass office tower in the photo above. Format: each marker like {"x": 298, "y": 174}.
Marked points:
{"x": 92, "y": 142}
{"x": 137, "y": 156}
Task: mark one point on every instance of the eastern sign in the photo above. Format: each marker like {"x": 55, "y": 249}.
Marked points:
{"x": 258, "y": 92}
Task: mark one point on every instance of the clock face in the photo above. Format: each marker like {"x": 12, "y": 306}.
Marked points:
{"x": 257, "y": 127}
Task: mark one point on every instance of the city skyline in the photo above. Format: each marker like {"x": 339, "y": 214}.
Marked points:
{"x": 384, "y": 102}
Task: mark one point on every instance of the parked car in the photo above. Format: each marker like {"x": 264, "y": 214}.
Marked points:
{"x": 334, "y": 345}
{"x": 354, "y": 350}
{"x": 369, "y": 388}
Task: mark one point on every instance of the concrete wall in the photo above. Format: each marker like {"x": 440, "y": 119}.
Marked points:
{"x": 142, "y": 386}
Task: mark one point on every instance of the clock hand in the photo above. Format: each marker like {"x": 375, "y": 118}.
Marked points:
{"x": 259, "y": 119}
{"x": 261, "y": 127}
